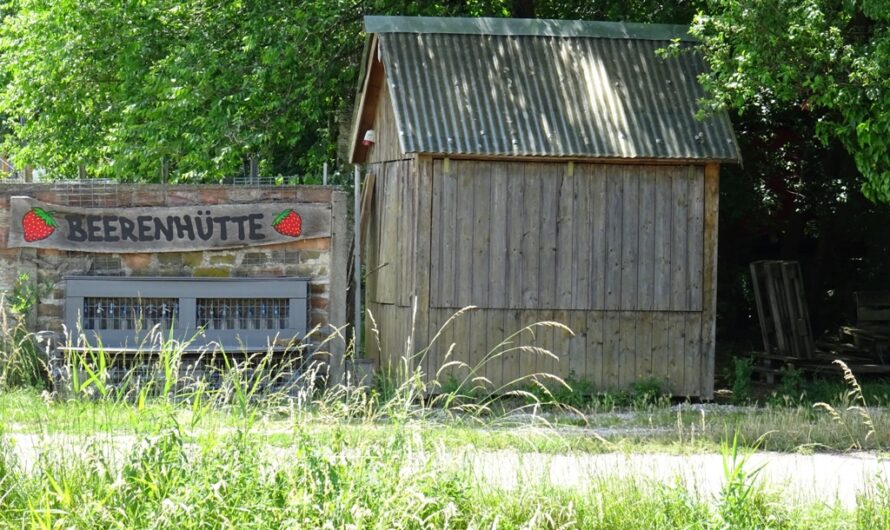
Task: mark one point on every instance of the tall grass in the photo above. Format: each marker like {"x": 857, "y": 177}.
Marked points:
{"x": 234, "y": 481}
{"x": 177, "y": 476}
{"x": 21, "y": 363}
{"x": 859, "y": 407}
{"x": 198, "y": 454}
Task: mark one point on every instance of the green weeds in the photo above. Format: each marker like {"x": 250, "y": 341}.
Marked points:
{"x": 176, "y": 439}
{"x": 21, "y": 362}
{"x": 236, "y": 481}
{"x": 743, "y": 368}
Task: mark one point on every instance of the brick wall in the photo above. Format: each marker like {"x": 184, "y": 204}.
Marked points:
{"x": 313, "y": 258}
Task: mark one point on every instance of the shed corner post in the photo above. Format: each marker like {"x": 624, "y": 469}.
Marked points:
{"x": 341, "y": 239}
{"x": 709, "y": 283}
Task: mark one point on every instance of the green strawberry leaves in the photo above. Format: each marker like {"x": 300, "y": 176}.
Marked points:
{"x": 45, "y": 216}
{"x": 280, "y": 217}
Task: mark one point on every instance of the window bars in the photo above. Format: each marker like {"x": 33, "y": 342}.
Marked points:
{"x": 129, "y": 313}
{"x": 103, "y": 313}
{"x": 243, "y": 313}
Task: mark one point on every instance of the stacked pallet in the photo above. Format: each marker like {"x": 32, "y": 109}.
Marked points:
{"x": 788, "y": 334}
{"x": 782, "y": 308}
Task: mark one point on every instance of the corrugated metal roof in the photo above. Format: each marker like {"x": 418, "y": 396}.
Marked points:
{"x": 546, "y": 95}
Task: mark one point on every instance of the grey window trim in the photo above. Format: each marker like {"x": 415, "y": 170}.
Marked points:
{"x": 187, "y": 291}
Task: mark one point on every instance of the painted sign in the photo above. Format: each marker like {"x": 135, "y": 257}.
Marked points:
{"x": 163, "y": 229}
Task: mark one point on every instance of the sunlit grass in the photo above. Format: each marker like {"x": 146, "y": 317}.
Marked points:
{"x": 256, "y": 442}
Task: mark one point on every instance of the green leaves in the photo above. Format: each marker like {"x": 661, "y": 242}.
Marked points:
{"x": 280, "y": 217}
{"x": 122, "y": 87}
{"x": 119, "y": 88}
{"x": 45, "y": 216}
{"x": 830, "y": 59}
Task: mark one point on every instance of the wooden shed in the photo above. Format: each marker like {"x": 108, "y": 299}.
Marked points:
{"x": 541, "y": 170}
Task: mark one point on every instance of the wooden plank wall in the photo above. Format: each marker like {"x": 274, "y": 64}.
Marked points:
{"x": 511, "y": 235}
{"x": 617, "y": 253}
{"x": 611, "y": 349}
{"x": 389, "y": 251}
{"x": 386, "y": 334}
{"x": 389, "y": 262}
{"x": 386, "y": 147}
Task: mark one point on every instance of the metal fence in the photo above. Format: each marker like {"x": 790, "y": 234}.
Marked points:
{"x": 10, "y": 175}
{"x": 103, "y": 193}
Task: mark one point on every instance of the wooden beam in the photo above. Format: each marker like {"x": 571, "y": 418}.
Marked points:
{"x": 357, "y": 265}
{"x": 577, "y": 159}
{"x": 709, "y": 278}
{"x": 367, "y": 204}
{"x": 341, "y": 240}
{"x": 370, "y": 96}
{"x": 168, "y": 228}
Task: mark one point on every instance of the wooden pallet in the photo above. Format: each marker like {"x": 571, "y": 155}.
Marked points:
{"x": 788, "y": 335}
{"x": 769, "y": 368}
{"x": 782, "y": 309}
{"x": 872, "y": 330}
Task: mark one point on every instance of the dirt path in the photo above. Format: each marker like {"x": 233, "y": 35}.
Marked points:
{"x": 832, "y": 479}
{"x": 829, "y": 478}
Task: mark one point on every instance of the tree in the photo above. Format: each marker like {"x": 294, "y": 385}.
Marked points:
{"x": 829, "y": 59}
{"x": 121, "y": 87}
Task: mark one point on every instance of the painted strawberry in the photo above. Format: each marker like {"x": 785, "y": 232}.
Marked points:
{"x": 289, "y": 223}
{"x": 38, "y": 224}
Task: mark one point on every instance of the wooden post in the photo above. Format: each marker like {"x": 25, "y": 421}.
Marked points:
{"x": 254, "y": 170}
{"x": 165, "y": 170}
{"x": 709, "y": 278}
{"x": 357, "y": 263}
{"x": 339, "y": 283}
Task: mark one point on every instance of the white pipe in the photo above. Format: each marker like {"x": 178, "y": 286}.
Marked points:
{"x": 324, "y": 177}
{"x": 357, "y": 263}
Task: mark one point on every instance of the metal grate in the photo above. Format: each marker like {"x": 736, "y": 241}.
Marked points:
{"x": 243, "y": 313}
{"x": 286, "y": 256}
{"x": 265, "y": 181}
{"x": 104, "y": 264}
{"x": 254, "y": 259}
{"x": 129, "y": 313}
{"x": 88, "y": 193}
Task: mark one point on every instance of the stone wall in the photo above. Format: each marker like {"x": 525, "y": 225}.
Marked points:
{"x": 323, "y": 260}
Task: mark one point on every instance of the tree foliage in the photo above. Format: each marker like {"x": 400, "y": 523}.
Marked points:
{"x": 120, "y": 87}
{"x": 830, "y": 59}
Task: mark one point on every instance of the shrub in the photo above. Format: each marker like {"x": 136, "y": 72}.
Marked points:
{"x": 743, "y": 369}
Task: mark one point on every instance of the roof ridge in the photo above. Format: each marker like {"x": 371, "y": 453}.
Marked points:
{"x": 527, "y": 26}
